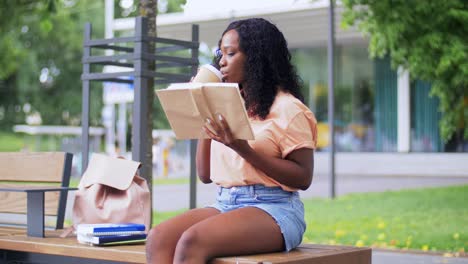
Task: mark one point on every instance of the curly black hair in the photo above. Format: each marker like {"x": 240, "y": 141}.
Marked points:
{"x": 268, "y": 64}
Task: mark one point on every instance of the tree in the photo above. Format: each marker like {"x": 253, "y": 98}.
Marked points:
{"x": 163, "y": 6}
{"x": 148, "y": 9}
{"x": 430, "y": 39}
{"x": 41, "y": 57}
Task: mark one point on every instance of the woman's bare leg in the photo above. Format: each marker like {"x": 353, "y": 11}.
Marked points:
{"x": 243, "y": 231}
{"x": 163, "y": 238}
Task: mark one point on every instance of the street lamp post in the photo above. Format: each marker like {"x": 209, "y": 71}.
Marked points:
{"x": 331, "y": 101}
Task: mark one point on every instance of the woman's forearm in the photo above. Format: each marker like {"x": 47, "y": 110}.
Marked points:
{"x": 203, "y": 159}
{"x": 295, "y": 172}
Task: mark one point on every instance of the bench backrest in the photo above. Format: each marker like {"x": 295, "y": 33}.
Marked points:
{"x": 32, "y": 169}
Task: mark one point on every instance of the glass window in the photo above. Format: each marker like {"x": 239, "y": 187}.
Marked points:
{"x": 355, "y": 97}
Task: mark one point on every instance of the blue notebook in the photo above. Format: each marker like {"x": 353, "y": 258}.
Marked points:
{"x": 110, "y": 229}
{"x": 111, "y": 239}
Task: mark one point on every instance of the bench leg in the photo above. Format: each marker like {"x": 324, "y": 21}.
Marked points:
{"x": 35, "y": 214}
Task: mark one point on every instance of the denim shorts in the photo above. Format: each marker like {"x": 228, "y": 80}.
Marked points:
{"x": 285, "y": 207}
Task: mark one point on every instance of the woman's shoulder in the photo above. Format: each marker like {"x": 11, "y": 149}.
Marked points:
{"x": 287, "y": 106}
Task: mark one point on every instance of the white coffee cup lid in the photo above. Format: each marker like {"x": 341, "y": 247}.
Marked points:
{"x": 214, "y": 70}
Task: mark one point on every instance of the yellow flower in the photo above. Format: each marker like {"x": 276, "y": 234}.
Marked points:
{"x": 381, "y": 236}
{"x": 425, "y": 248}
{"x": 359, "y": 243}
{"x": 456, "y": 236}
{"x": 381, "y": 225}
{"x": 408, "y": 241}
{"x": 339, "y": 233}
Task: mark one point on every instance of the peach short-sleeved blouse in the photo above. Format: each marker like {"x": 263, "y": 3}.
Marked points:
{"x": 290, "y": 125}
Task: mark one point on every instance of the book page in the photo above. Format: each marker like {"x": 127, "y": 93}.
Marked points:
{"x": 187, "y": 106}
{"x": 192, "y": 85}
{"x": 225, "y": 98}
{"x": 181, "y": 112}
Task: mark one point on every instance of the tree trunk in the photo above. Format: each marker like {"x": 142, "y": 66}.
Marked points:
{"x": 148, "y": 9}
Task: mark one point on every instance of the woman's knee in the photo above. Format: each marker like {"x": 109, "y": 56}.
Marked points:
{"x": 158, "y": 238}
{"x": 159, "y": 248}
{"x": 190, "y": 246}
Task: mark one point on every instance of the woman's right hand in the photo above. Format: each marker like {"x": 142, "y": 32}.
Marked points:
{"x": 221, "y": 132}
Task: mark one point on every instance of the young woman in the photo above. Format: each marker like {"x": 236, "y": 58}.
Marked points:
{"x": 258, "y": 208}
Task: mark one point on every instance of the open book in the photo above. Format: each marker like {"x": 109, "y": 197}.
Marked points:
{"x": 187, "y": 105}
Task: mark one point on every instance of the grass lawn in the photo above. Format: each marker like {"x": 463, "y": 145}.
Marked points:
{"x": 433, "y": 219}
{"x": 425, "y": 219}
{"x": 10, "y": 141}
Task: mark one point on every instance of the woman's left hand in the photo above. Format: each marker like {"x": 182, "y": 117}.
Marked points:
{"x": 220, "y": 131}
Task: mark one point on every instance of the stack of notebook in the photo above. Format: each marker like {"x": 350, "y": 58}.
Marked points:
{"x": 110, "y": 234}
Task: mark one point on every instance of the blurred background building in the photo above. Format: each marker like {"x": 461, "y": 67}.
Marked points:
{"x": 383, "y": 117}
{"x": 379, "y": 111}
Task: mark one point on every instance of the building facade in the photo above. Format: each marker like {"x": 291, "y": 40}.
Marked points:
{"x": 378, "y": 109}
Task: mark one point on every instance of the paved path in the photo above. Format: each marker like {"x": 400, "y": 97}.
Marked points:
{"x": 175, "y": 197}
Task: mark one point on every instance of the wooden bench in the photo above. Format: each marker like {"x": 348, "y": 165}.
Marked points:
{"x": 33, "y": 185}
{"x": 17, "y": 246}
{"x": 20, "y": 245}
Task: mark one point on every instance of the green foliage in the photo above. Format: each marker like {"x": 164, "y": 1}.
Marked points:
{"x": 164, "y": 6}
{"x": 45, "y": 37}
{"x": 429, "y": 38}
{"x": 47, "y": 34}
{"x": 174, "y": 6}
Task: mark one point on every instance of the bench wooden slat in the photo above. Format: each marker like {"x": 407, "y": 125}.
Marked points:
{"x": 307, "y": 254}
{"x": 10, "y": 231}
{"x": 22, "y": 172}
{"x": 15, "y": 202}
{"x": 69, "y": 246}
{"x": 304, "y": 254}
{"x": 31, "y": 166}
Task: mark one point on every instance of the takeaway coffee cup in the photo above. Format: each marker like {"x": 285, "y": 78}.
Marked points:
{"x": 208, "y": 73}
